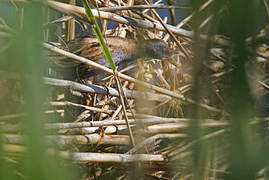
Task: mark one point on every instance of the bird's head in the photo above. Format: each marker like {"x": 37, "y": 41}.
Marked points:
{"x": 155, "y": 48}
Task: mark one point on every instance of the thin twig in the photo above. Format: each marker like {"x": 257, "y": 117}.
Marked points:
{"x": 160, "y": 6}
{"x": 95, "y": 89}
{"x": 124, "y": 108}
{"x": 67, "y": 103}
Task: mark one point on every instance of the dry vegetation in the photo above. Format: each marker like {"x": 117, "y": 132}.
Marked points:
{"x": 181, "y": 113}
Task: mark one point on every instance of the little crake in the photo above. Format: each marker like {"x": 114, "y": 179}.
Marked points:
{"x": 123, "y": 51}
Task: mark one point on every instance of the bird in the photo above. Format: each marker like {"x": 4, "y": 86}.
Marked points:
{"x": 123, "y": 51}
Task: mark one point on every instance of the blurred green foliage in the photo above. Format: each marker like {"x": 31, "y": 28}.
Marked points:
{"x": 25, "y": 59}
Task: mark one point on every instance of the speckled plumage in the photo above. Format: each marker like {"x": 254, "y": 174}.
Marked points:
{"x": 123, "y": 51}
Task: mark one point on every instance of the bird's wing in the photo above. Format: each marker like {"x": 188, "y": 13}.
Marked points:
{"x": 90, "y": 47}
{"x": 122, "y": 52}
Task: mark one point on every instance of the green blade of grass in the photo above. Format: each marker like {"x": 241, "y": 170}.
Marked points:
{"x": 98, "y": 34}
{"x": 104, "y": 46}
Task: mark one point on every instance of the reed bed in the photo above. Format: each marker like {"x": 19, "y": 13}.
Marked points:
{"x": 202, "y": 114}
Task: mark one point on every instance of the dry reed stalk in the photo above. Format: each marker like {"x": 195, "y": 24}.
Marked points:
{"x": 89, "y": 139}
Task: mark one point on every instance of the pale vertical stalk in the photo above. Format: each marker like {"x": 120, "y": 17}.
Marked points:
{"x": 71, "y": 25}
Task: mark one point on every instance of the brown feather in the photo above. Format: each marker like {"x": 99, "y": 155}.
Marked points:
{"x": 122, "y": 51}
{"x": 89, "y": 47}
